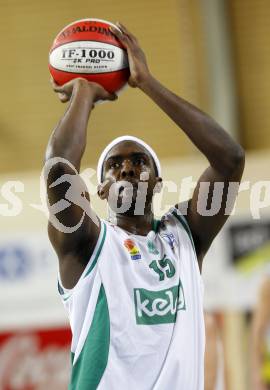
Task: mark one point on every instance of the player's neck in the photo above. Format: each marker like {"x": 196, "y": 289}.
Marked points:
{"x": 135, "y": 224}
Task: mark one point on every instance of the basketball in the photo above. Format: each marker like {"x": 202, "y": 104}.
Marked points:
{"x": 87, "y": 48}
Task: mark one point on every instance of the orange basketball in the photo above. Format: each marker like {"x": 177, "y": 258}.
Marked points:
{"x": 87, "y": 48}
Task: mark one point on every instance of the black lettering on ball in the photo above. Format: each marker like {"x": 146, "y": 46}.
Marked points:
{"x": 110, "y": 54}
{"x": 92, "y": 53}
{"x": 102, "y": 54}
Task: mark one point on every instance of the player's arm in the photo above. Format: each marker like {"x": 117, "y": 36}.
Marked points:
{"x": 226, "y": 164}
{"x": 66, "y": 190}
{"x": 225, "y": 156}
{"x": 260, "y": 324}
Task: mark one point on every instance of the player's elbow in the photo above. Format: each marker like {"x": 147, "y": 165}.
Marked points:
{"x": 236, "y": 162}
{"x": 239, "y": 156}
{"x": 51, "y": 151}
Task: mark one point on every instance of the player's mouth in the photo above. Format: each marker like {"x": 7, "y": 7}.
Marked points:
{"x": 126, "y": 185}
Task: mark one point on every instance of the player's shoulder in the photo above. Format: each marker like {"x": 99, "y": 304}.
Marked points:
{"x": 175, "y": 218}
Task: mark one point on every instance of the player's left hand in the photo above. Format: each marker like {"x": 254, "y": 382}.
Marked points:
{"x": 139, "y": 71}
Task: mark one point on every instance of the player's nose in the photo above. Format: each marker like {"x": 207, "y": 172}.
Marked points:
{"x": 127, "y": 169}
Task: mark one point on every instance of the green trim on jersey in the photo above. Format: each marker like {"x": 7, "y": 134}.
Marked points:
{"x": 155, "y": 225}
{"x": 91, "y": 364}
{"x": 99, "y": 249}
{"x": 64, "y": 295}
{"x": 184, "y": 223}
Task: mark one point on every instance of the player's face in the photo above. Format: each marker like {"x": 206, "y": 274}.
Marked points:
{"x": 132, "y": 163}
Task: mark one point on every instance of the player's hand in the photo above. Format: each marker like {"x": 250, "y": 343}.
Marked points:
{"x": 93, "y": 90}
{"x": 139, "y": 71}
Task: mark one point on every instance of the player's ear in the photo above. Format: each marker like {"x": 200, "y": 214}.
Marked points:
{"x": 158, "y": 186}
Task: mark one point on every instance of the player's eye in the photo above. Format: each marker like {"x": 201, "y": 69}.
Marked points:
{"x": 114, "y": 165}
{"x": 139, "y": 161}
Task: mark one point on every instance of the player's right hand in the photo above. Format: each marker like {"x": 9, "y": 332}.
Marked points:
{"x": 96, "y": 92}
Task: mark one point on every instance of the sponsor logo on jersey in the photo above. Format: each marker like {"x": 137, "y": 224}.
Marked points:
{"x": 132, "y": 249}
{"x": 170, "y": 239}
{"x": 158, "y": 307}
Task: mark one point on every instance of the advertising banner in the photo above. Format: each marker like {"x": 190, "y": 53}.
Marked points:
{"x": 35, "y": 359}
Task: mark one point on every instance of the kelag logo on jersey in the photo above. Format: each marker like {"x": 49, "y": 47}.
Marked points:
{"x": 158, "y": 307}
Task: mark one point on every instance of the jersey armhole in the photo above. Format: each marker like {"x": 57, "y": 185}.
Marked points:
{"x": 180, "y": 218}
{"x": 183, "y": 221}
{"x": 67, "y": 293}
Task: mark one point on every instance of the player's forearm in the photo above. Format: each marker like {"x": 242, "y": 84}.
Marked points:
{"x": 223, "y": 153}
{"x": 68, "y": 140}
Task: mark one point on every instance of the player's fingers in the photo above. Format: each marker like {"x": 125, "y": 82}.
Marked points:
{"x": 124, "y": 39}
{"x": 55, "y": 86}
{"x": 63, "y": 97}
{"x": 52, "y": 81}
{"x": 122, "y": 28}
{"x": 111, "y": 96}
{"x": 116, "y": 32}
{"x": 101, "y": 93}
{"x": 60, "y": 95}
{"x": 126, "y": 31}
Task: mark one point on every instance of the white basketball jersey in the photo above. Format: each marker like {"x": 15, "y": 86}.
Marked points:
{"x": 136, "y": 313}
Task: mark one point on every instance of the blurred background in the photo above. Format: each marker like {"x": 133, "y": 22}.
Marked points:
{"x": 214, "y": 53}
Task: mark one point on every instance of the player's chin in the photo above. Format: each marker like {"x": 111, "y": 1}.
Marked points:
{"x": 135, "y": 205}
{"x": 130, "y": 201}
{"x": 134, "y": 196}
